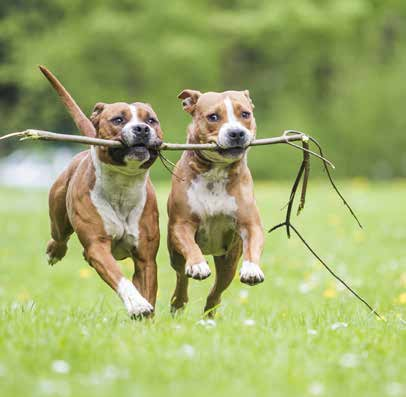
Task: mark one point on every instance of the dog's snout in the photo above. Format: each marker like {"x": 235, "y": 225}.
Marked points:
{"x": 237, "y": 136}
{"x": 142, "y": 130}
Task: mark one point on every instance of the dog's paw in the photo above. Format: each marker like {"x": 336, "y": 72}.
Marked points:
{"x": 141, "y": 309}
{"x": 136, "y": 305}
{"x": 199, "y": 271}
{"x": 251, "y": 273}
{"x": 55, "y": 251}
{"x": 177, "y": 310}
{"x": 52, "y": 260}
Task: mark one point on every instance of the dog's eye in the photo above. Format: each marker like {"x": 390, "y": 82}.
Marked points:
{"x": 152, "y": 121}
{"x": 117, "y": 120}
{"x": 213, "y": 117}
{"x": 245, "y": 115}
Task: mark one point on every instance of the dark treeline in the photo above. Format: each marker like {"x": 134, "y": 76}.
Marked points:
{"x": 332, "y": 68}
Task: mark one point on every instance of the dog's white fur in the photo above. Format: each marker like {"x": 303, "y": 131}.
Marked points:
{"x": 251, "y": 271}
{"x": 208, "y": 196}
{"x": 119, "y": 199}
{"x": 134, "y": 302}
{"x": 199, "y": 270}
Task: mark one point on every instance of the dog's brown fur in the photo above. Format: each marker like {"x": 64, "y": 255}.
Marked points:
{"x": 72, "y": 208}
{"x": 202, "y": 173}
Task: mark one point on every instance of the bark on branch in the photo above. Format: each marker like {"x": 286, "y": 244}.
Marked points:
{"x": 30, "y": 134}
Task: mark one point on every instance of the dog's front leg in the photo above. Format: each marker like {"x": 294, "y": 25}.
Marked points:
{"x": 252, "y": 237}
{"x": 182, "y": 240}
{"x": 99, "y": 256}
{"x": 145, "y": 277}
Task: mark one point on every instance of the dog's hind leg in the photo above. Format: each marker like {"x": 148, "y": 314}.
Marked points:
{"x": 61, "y": 228}
{"x": 226, "y": 267}
{"x": 180, "y": 295}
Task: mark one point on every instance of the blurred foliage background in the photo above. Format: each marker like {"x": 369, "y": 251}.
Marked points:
{"x": 334, "y": 69}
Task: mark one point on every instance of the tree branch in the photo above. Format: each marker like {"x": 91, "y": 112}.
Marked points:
{"x": 52, "y": 136}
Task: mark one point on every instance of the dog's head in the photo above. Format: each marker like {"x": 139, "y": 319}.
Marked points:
{"x": 135, "y": 125}
{"x": 225, "y": 118}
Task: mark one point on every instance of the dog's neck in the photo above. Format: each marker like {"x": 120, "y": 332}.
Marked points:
{"x": 117, "y": 181}
{"x": 201, "y": 165}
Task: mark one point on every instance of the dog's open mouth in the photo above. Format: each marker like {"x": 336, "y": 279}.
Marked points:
{"x": 138, "y": 148}
{"x": 232, "y": 152}
{"x": 138, "y": 152}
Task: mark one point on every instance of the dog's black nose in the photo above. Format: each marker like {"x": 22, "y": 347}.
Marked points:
{"x": 237, "y": 137}
{"x": 141, "y": 130}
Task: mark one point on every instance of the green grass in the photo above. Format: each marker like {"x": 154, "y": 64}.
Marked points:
{"x": 67, "y": 313}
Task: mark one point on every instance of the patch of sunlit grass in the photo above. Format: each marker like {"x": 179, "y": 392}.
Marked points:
{"x": 63, "y": 332}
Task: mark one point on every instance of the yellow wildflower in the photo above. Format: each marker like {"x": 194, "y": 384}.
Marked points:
{"x": 23, "y": 296}
{"x": 402, "y": 298}
{"x": 85, "y": 272}
{"x": 330, "y": 293}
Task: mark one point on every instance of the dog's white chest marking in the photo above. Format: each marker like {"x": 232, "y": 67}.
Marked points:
{"x": 120, "y": 200}
{"x": 208, "y": 196}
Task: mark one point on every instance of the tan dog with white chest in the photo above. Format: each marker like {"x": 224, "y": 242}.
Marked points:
{"x": 211, "y": 207}
{"x": 106, "y": 196}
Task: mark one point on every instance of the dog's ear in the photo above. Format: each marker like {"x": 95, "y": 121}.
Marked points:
{"x": 95, "y": 116}
{"x": 247, "y": 95}
{"x": 189, "y": 99}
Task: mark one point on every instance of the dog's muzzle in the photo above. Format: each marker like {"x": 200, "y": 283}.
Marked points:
{"x": 140, "y": 142}
{"x": 137, "y": 135}
{"x": 234, "y": 140}
{"x": 141, "y": 135}
{"x": 237, "y": 138}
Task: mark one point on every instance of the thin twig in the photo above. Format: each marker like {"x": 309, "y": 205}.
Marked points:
{"x": 328, "y": 268}
{"x": 292, "y": 198}
{"x": 305, "y": 181}
{"x": 303, "y": 172}
{"x": 334, "y": 185}
{"x": 165, "y": 161}
{"x": 305, "y": 138}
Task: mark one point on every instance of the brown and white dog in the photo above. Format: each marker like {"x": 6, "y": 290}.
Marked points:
{"x": 211, "y": 207}
{"x": 105, "y": 195}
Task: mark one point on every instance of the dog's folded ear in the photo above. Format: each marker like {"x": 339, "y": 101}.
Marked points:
{"x": 247, "y": 95}
{"x": 95, "y": 116}
{"x": 190, "y": 98}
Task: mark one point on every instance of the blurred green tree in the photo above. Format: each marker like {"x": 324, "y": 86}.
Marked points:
{"x": 332, "y": 68}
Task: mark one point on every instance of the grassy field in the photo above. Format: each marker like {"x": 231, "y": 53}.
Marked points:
{"x": 63, "y": 332}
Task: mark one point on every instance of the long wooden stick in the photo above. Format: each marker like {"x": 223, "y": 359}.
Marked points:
{"x": 52, "y": 136}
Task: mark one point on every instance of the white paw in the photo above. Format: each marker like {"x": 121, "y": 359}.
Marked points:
{"x": 200, "y": 271}
{"x": 251, "y": 273}
{"x": 136, "y": 305}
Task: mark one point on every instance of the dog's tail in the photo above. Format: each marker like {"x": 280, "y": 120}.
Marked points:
{"x": 84, "y": 125}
